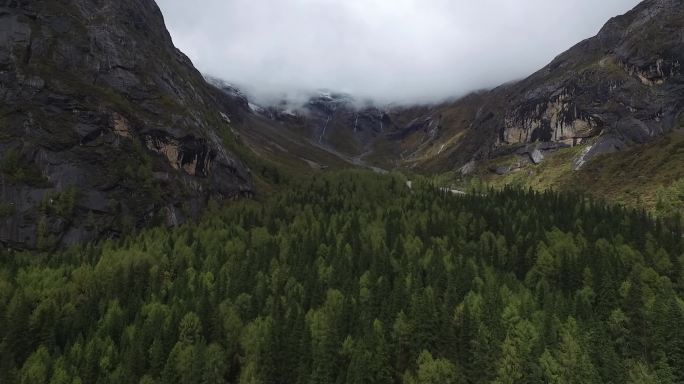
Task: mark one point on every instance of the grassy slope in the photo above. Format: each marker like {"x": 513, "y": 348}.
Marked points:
{"x": 632, "y": 177}
{"x": 548, "y": 174}
{"x": 277, "y": 156}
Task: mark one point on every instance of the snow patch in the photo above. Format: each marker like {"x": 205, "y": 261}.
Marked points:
{"x": 255, "y": 108}
{"x": 582, "y": 159}
{"x": 289, "y": 112}
{"x": 225, "y": 117}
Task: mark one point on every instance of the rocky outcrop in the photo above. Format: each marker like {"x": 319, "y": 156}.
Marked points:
{"x": 621, "y": 88}
{"x": 557, "y": 119}
{"x": 104, "y": 125}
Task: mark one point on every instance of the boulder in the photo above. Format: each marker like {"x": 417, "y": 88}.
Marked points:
{"x": 536, "y": 156}
{"x": 603, "y": 145}
{"x": 501, "y": 171}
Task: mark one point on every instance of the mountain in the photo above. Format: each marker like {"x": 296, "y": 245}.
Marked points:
{"x": 105, "y": 125}
{"x": 340, "y": 130}
{"x": 620, "y": 88}
{"x": 612, "y": 92}
{"x": 335, "y": 121}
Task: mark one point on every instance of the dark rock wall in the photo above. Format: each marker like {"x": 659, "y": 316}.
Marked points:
{"x": 625, "y": 86}
{"x": 104, "y": 125}
{"x": 621, "y": 88}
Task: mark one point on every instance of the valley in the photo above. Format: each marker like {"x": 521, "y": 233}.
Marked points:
{"x": 160, "y": 225}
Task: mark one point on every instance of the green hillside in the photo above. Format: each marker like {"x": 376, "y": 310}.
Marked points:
{"x": 646, "y": 176}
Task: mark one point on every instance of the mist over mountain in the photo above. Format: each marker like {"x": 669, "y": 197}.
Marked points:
{"x": 406, "y": 51}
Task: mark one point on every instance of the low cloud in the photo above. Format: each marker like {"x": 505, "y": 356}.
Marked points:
{"x": 401, "y": 51}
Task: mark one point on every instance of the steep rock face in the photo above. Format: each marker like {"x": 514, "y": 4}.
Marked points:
{"x": 623, "y": 87}
{"x": 333, "y": 120}
{"x": 104, "y": 124}
{"x": 355, "y": 131}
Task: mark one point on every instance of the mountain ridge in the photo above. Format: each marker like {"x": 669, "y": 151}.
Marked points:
{"x": 584, "y": 96}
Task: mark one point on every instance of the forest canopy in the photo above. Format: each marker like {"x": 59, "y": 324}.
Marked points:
{"x": 353, "y": 277}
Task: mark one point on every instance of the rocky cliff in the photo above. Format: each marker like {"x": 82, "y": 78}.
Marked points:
{"x": 104, "y": 125}
{"x": 623, "y": 87}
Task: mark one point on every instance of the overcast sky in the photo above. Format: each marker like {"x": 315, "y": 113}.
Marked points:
{"x": 385, "y": 50}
